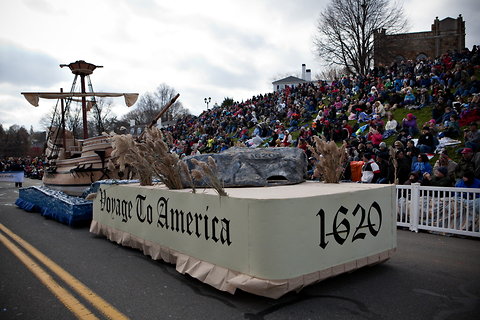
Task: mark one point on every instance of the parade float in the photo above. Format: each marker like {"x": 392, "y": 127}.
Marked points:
{"x": 241, "y": 219}
{"x": 246, "y": 219}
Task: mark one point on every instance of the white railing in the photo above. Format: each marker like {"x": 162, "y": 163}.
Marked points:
{"x": 438, "y": 209}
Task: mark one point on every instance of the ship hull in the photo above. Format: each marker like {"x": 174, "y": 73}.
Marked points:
{"x": 74, "y": 175}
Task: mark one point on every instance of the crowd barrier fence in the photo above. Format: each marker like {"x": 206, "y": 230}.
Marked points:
{"x": 438, "y": 209}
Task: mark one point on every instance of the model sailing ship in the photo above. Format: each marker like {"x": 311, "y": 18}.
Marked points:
{"x": 74, "y": 164}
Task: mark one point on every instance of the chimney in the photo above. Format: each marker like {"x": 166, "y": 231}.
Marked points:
{"x": 303, "y": 71}
{"x": 308, "y": 75}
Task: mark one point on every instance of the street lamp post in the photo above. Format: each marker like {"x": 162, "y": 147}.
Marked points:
{"x": 207, "y": 101}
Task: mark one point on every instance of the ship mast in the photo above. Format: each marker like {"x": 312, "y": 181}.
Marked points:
{"x": 82, "y": 69}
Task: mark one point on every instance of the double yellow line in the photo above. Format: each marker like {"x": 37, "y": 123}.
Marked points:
{"x": 72, "y": 303}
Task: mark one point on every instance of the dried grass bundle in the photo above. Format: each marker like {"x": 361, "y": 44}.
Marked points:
{"x": 209, "y": 171}
{"x": 393, "y": 156}
{"x": 150, "y": 158}
{"x": 166, "y": 165}
{"x": 121, "y": 144}
{"x": 169, "y": 137}
{"x": 239, "y": 144}
{"x": 137, "y": 159}
{"x": 330, "y": 159}
{"x": 186, "y": 173}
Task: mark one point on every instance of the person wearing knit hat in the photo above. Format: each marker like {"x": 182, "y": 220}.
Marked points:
{"x": 409, "y": 123}
{"x": 468, "y": 180}
{"x": 443, "y": 171}
{"x": 440, "y": 178}
{"x": 383, "y": 151}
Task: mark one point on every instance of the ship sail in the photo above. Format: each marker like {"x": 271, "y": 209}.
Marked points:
{"x": 34, "y": 97}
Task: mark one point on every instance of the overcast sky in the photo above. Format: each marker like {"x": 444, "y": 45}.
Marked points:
{"x": 201, "y": 49}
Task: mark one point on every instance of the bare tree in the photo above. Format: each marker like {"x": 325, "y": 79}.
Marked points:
{"x": 73, "y": 118}
{"x": 345, "y": 31}
{"x": 163, "y": 95}
{"x": 101, "y": 117}
{"x": 150, "y": 104}
{"x": 146, "y": 109}
{"x": 49, "y": 120}
{"x": 331, "y": 73}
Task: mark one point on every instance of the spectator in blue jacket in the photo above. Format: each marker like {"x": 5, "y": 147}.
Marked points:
{"x": 468, "y": 181}
{"x": 422, "y": 166}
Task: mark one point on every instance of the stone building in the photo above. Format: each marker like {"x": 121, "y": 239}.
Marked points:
{"x": 447, "y": 34}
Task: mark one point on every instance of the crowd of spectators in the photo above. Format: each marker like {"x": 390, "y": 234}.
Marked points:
{"x": 358, "y": 111}
{"x": 32, "y": 167}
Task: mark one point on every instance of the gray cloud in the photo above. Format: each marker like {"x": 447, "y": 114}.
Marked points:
{"x": 41, "y": 6}
{"x": 299, "y": 11}
{"x": 19, "y": 66}
{"x": 219, "y": 76}
{"x": 225, "y": 33}
{"x": 148, "y": 9}
{"x": 471, "y": 12}
{"x": 421, "y": 15}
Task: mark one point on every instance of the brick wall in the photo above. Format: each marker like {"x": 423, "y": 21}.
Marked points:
{"x": 447, "y": 34}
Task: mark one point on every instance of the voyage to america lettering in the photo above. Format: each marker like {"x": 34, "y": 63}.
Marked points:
{"x": 173, "y": 219}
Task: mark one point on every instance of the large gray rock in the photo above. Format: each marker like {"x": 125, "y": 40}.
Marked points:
{"x": 241, "y": 167}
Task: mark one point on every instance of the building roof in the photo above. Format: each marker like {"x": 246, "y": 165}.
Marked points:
{"x": 289, "y": 80}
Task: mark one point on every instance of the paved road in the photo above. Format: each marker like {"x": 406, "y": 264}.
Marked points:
{"x": 430, "y": 277}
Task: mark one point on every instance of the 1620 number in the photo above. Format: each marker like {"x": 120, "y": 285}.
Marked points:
{"x": 341, "y": 229}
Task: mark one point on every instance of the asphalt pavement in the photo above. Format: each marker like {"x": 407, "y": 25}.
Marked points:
{"x": 430, "y": 277}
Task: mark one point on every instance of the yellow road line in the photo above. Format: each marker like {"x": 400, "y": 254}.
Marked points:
{"x": 103, "y": 306}
{"x": 63, "y": 295}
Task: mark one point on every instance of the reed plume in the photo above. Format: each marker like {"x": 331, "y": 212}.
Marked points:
{"x": 150, "y": 158}
{"x": 239, "y": 144}
{"x": 208, "y": 171}
{"x": 393, "y": 156}
{"x": 330, "y": 160}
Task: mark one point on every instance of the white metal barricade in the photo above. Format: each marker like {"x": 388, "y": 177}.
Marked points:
{"x": 439, "y": 209}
